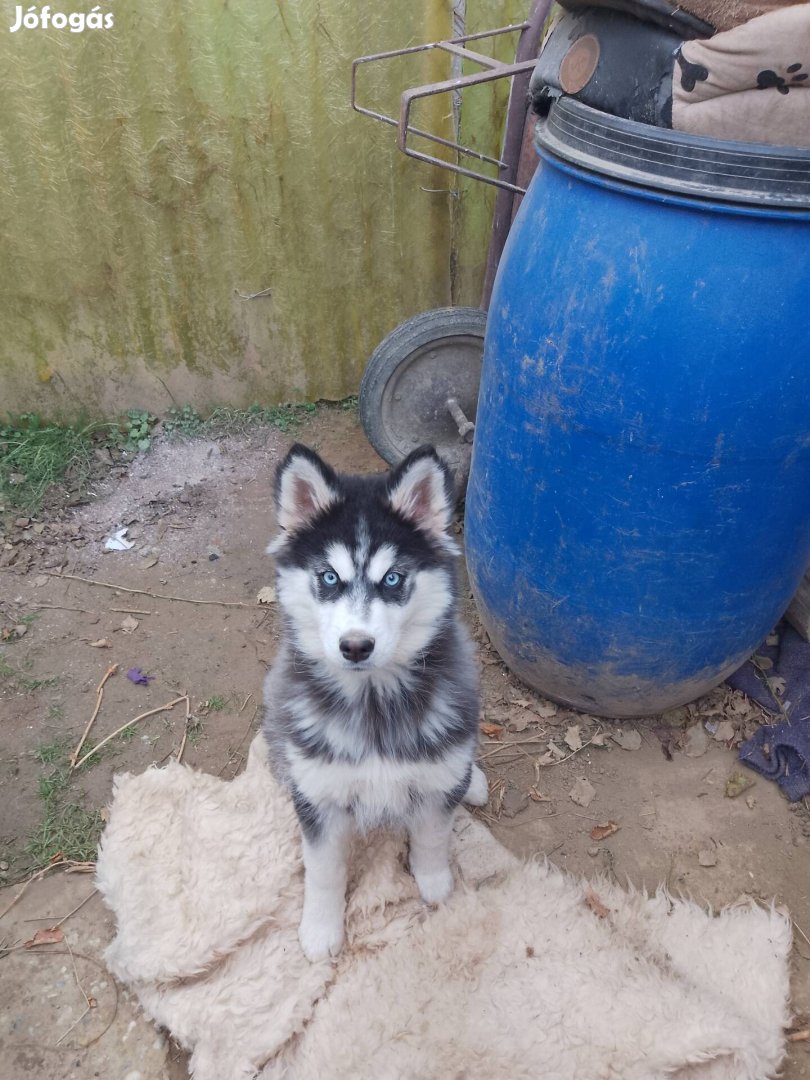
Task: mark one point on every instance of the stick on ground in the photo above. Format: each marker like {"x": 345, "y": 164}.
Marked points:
{"x": 130, "y": 723}
{"x": 145, "y": 592}
{"x": 111, "y": 670}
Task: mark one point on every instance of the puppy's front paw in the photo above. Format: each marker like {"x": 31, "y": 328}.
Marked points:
{"x": 478, "y": 792}
{"x": 320, "y": 939}
{"x": 436, "y": 886}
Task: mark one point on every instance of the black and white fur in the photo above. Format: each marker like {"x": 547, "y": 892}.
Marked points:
{"x": 371, "y": 707}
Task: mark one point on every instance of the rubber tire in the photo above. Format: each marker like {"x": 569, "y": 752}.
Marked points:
{"x": 394, "y": 350}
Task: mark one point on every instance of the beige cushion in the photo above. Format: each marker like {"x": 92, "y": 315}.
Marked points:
{"x": 751, "y": 83}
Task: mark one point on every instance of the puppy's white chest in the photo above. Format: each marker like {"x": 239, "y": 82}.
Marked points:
{"x": 377, "y": 791}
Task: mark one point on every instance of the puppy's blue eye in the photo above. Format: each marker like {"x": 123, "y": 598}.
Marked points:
{"x": 330, "y": 578}
{"x": 392, "y": 579}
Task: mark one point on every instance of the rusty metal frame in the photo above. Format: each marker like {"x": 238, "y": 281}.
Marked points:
{"x": 493, "y": 69}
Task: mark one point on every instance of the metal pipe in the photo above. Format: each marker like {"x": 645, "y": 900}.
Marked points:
{"x": 527, "y": 49}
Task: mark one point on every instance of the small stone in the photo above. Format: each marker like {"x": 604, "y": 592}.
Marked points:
{"x": 593, "y": 852}
{"x": 514, "y": 802}
{"x": 627, "y": 740}
{"x": 696, "y": 742}
{"x": 750, "y": 801}
{"x": 707, "y": 857}
{"x": 3, "y": 866}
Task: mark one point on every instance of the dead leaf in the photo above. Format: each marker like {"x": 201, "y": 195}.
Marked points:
{"x": 519, "y": 721}
{"x": 147, "y": 564}
{"x": 707, "y": 857}
{"x": 583, "y": 792}
{"x": 595, "y": 904}
{"x": 50, "y": 936}
{"x": 546, "y": 710}
{"x": 514, "y": 801}
{"x": 556, "y": 751}
{"x": 129, "y": 625}
{"x": 545, "y": 759}
{"x": 601, "y": 832}
{"x": 600, "y": 739}
{"x": 737, "y": 783}
{"x": 267, "y": 595}
{"x": 764, "y": 663}
{"x": 492, "y": 731}
{"x": 725, "y": 732}
{"x": 40, "y": 580}
{"x": 777, "y": 685}
{"x": 572, "y": 738}
{"x": 536, "y": 796}
{"x": 627, "y": 740}
{"x": 102, "y": 643}
{"x": 521, "y": 702}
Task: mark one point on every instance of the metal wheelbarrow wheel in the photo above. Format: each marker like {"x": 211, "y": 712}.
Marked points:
{"x": 421, "y": 386}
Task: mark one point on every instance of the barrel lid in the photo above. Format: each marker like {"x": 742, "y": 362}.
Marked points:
{"x": 674, "y": 161}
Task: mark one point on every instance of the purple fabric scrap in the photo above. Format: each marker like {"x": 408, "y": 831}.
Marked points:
{"x": 137, "y": 676}
{"x": 780, "y": 752}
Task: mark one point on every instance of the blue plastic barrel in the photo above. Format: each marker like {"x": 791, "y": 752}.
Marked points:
{"x": 638, "y": 511}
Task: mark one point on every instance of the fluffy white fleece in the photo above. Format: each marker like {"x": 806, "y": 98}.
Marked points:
{"x": 514, "y": 977}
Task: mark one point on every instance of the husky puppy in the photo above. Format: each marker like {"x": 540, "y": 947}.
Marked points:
{"x": 371, "y": 706}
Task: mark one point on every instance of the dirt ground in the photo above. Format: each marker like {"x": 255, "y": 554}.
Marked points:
{"x": 200, "y": 515}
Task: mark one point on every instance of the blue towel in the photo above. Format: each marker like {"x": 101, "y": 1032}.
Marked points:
{"x": 782, "y": 753}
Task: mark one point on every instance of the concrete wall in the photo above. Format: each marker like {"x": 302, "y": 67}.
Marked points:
{"x": 202, "y": 149}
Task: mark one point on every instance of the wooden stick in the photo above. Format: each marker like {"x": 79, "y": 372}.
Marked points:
{"x": 130, "y": 723}
{"x": 64, "y": 607}
{"x": 799, "y": 1036}
{"x": 66, "y": 864}
{"x": 513, "y": 742}
{"x": 145, "y": 592}
{"x": 111, "y": 670}
{"x": 185, "y": 732}
{"x": 797, "y": 927}
{"x": 81, "y": 905}
{"x": 50, "y": 919}
{"x": 543, "y": 765}
{"x": 130, "y": 611}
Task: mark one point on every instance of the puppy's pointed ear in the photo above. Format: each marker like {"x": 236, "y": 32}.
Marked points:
{"x": 305, "y": 488}
{"x": 421, "y": 489}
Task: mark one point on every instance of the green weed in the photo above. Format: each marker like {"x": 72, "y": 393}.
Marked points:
{"x": 66, "y": 826}
{"x": 34, "y": 455}
{"x": 139, "y": 426}
{"x": 20, "y": 679}
{"x": 188, "y": 423}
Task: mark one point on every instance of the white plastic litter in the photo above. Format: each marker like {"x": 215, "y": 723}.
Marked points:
{"x": 118, "y": 541}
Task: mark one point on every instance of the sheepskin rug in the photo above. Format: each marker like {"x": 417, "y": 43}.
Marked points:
{"x": 525, "y": 972}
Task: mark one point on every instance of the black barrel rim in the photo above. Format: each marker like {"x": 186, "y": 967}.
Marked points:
{"x": 673, "y": 161}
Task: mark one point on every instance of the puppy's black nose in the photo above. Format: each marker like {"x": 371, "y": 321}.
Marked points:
{"x": 356, "y": 648}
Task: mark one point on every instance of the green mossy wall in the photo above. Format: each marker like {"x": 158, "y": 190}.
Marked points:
{"x": 153, "y": 172}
